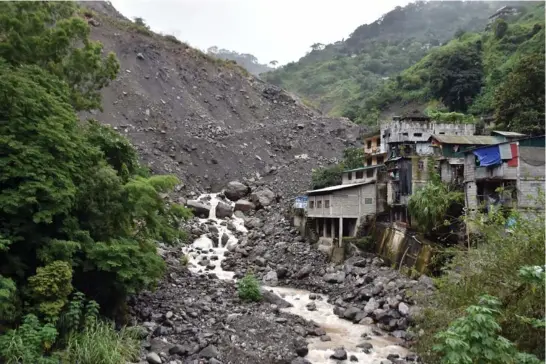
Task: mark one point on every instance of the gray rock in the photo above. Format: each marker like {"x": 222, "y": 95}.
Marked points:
{"x": 200, "y": 209}
{"x": 351, "y": 313}
{"x": 403, "y": 309}
{"x": 140, "y": 56}
{"x": 275, "y": 299}
{"x": 338, "y": 277}
{"x": 209, "y": 352}
{"x": 426, "y": 281}
{"x": 371, "y": 306}
{"x": 271, "y": 278}
{"x": 281, "y": 272}
{"x": 353, "y": 358}
{"x": 263, "y": 197}
{"x": 244, "y": 206}
{"x": 223, "y": 210}
{"x": 325, "y": 338}
{"x": 235, "y": 190}
{"x": 304, "y": 271}
{"x": 311, "y": 306}
{"x": 339, "y": 354}
{"x": 153, "y": 358}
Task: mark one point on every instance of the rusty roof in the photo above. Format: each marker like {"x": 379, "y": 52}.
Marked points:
{"x": 467, "y": 139}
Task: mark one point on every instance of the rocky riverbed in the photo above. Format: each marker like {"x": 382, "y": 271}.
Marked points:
{"x": 313, "y": 311}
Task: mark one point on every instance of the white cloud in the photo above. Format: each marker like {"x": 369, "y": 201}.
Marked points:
{"x": 269, "y": 29}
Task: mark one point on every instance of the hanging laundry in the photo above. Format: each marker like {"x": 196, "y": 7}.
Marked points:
{"x": 505, "y": 151}
{"x": 488, "y": 156}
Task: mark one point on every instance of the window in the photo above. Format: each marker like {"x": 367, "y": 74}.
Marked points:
{"x": 368, "y": 161}
{"x": 417, "y": 134}
{"x": 405, "y": 134}
{"x": 319, "y": 204}
{"x": 311, "y": 204}
{"x": 378, "y": 142}
{"x": 369, "y": 144}
{"x": 379, "y": 160}
{"x": 349, "y": 176}
{"x": 442, "y": 133}
{"x": 326, "y": 204}
{"x": 368, "y": 200}
{"x": 369, "y": 173}
{"x": 359, "y": 174}
{"x": 421, "y": 165}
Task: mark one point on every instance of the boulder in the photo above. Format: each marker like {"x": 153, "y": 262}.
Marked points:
{"x": 281, "y": 272}
{"x": 304, "y": 271}
{"x": 311, "y": 306}
{"x": 223, "y": 210}
{"x": 334, "y": 277}
{"x": 263, "y": 197}
{"x": 274, "y": 299}
{"x": 351, "y": 313}
{"x": 153, "y": 358}
{"x": 209, "y": 352}
{"x": 271, "y": 278}
{"x": 199, "y": 208}
{"x": 403, "y": 309}
{"x": 339, "y": 354}
{"x": 244, "y": 206}
{"x": 235, "y": 190}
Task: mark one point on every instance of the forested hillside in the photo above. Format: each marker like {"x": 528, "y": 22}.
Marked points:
{"x": 498, "y": 72}
{"x": 248, "y": 61}
{"x": 332, "y": 75}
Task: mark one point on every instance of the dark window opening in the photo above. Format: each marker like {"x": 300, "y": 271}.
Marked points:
{"x": 359, "y": 174}
{"x": 421, "y": 165}
{"x": 349, "y": 176}
{"x": 417, "y": 134}
{"x": 369, "y": 144}
{"x": 378, "y": 142}
{"x": 380, "y": 160}
{"x": 326, "y": 204}
{"x": 442, "y": 132}
{"x": 405, "y": 134}
{"x": 311, "y": 204}
{"x": 369, "y": 162}
{"x": 368, "y": 201}
{"x": 319, "y": 204}
{"x": 369, "y": 173}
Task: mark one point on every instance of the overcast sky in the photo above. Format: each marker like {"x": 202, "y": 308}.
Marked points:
{"x": 279, "y": 30}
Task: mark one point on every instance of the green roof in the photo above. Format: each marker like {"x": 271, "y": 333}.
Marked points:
{"x": 362, "y": 168}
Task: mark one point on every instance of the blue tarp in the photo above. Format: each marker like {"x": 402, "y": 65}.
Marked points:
{"x": 488, "y": 156}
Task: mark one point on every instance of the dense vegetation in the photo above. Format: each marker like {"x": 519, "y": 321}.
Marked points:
{"x": 331, "y": 176}
{"x": 502, "y": 272}
{"x": 497, "y": 72}
{"x": 79, "y": 216}
{"x": 248, "y": 61}
{"x": 352, "y": 69}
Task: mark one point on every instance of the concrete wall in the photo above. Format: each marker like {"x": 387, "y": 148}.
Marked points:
{"x": 362, "y": 174}
{"x": 396, "y": 131}
{"x": 350, "y": 202}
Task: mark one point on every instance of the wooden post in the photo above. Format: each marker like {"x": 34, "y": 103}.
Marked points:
{"x": 340, "y": 232}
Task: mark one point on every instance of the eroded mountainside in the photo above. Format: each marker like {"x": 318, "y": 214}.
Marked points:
{"x": 206, "y": 120}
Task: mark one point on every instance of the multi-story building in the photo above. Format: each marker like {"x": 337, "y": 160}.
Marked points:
{"x": 375, "y": 152}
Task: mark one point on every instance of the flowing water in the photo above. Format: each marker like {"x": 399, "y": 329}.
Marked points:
{"x": 343, "y": 333}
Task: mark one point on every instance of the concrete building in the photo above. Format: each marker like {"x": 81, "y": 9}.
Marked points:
{"x": 510, "y": 174}
{"x": 375, "y": 152}
{"x": 449, "y": 152}
{"x": 337, "y": 211}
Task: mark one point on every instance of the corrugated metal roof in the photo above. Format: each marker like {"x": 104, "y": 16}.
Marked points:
{"x": 363, "y": 168}
{"x": 339, "y": 187}
{"x": 467, "y": 139}
{"x": 508, "y": 133}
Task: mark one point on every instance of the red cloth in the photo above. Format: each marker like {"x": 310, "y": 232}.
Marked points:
{"x": 514, "y": 161}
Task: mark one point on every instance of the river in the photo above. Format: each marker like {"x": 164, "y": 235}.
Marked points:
{"x": 343, "y": 333}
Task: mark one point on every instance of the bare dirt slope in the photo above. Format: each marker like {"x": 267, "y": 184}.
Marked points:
{"x": 207, "y": 121}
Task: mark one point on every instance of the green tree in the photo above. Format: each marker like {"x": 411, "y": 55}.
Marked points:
{"x": 45, "y": 34}
{"x": 519, "y": 101}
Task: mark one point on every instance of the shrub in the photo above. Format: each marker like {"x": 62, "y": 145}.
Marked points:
{"x": 249, "y": 288}
{"x": 101, "y": 343}
{"x": 29, "y": 343}
{"x": 494, "y": 267}
{"x": 475, "y": 338}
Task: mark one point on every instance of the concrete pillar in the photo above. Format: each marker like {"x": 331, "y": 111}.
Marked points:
{"x": 333, "y": 225}
{"x": 317, "y": 226}
{"x": 340, "y": 232}
{"x": 324, "y": 232}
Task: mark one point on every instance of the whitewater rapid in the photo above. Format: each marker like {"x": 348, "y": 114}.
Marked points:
{"x": 343, "y": 333}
